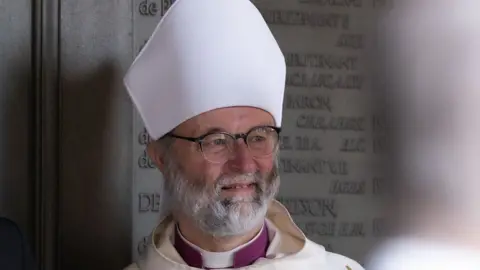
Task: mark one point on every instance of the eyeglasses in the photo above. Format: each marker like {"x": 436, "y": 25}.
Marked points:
{"x": 218, "y": 147}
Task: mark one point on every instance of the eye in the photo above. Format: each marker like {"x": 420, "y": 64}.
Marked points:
{"x": 257, "y": 138}
{"x": 219, "y": 142}
{"x": 215, "y": 140}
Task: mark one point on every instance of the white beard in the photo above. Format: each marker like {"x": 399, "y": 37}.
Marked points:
{"x": 221, "y": 217}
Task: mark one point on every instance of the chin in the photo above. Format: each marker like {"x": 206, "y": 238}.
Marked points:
{"x": 250, "y": 211}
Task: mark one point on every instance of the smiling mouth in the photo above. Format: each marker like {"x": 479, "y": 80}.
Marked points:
{"x": 239, "y": 186}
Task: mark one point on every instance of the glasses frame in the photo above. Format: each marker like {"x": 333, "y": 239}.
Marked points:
{"x": 199, "y": 139}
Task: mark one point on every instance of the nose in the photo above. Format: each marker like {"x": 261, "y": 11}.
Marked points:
{"x": 241, "y": 160}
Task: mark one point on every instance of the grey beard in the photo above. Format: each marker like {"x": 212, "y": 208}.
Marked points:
{"x": 215, "y": 216}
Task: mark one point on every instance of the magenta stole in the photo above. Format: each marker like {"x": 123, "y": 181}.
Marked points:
{"x": 243, "y": 257}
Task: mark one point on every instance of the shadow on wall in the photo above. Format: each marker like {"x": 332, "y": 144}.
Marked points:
{"x": 384, "y": 125}
{"x": 95, "y": 213}
{"x": 16, "y": 174}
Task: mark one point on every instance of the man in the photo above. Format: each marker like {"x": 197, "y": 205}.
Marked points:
{"x": 209, "y": 86}
{"x": 434, "y": 55}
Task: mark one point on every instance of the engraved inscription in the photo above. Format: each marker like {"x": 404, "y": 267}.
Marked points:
{"x": 379, "y": 124}
{"x": 379, "y": 144}
{"x": 304, "y": 18}
{"x": 313, "y": 102}
{"x": 322, "y": 61}
{"x": 144, "y": 138}
{"x": 315, "y": 228}
{"x": 313, "y": 166}
{"x": 286, "y": 143}
{"x": 148, "y": 202}
{"x": 166, "y": 4}
{"x": 142, "y": 245}
{"x": 305, "y": 143}
{"x": 310, "y": 207}
{"x": 378, "y": 227}
{"x": 353, "y": 145}
{"x": 381, "y": 4}
{"x": 350, "y": 41}
{"x": 300, "y": 143}
{"x": 144, "y": 162}
{"x": 378, "y": 186}
{"x": 148, "y": 8}
{"x": 334, "y": 3}
{"x": 325, "y": 80}
{"x": 351, "y": 229}
{"x": 311, "y": 121}
{"x": 348, "y": 187}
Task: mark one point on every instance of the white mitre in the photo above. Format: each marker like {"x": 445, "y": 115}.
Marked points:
{"x": 204, "y": 55}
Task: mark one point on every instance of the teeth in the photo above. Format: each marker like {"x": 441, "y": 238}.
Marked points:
{"x": 238, "y": 186}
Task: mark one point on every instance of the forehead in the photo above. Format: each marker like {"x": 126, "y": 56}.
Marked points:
{"x": 231, "y": 119}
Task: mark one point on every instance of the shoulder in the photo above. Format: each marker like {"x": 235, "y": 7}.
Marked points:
{"x": 9, "y": 231}
{"x": 337, "y": 261}
{"x": 334, "y": 261}
{"x": 14, "y": 247}
{"x": 7, "y": 225}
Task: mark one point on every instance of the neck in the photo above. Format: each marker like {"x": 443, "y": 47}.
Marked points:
{"x": 214, "y": 244}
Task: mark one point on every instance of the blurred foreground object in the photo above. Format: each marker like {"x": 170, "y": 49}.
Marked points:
{"x": 432, "y": 58}
{"x": 15, "y": 253}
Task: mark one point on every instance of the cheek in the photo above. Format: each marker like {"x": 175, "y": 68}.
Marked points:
{"x": 199, "y": 169}
{"x": 265, "y": 165}
{"x": 211, "y": 172}
{"x": 192, "y": 164}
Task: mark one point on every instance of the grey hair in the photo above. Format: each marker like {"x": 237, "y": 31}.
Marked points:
{"x": 166, "y": 143}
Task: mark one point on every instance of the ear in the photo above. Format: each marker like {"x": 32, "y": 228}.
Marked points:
{"x": 156, "y": 154}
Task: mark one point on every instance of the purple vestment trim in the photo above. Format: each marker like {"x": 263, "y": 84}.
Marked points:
{"x": 243, "y": 257}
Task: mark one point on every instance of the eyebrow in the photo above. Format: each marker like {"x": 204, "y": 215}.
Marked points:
{"x": 219, "y": 129}
{"x": 213, "y": 130}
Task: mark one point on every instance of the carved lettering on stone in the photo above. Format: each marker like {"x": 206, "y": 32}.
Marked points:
{"x": 313, "y": 166}
{"x": 144, "y": 162}
{"x": 142, "y": 245}
{"x": 327, "y": 81}
{"x": 353, "y": 145}
{"x": 148, "y": 8}
{"x": 310, "y": 207}
{"x": 348, "y": 187}
{"x": 351, "y": 229}
{"x": 307, "y": 18}
{"x": 350, "y": 41}
{"x": 317, "y": 228}
{"x": 149, "y": 202}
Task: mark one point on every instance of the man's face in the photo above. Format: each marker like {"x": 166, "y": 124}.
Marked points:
{"x": 224, "y": 198}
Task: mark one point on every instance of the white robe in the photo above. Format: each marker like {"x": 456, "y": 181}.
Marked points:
{"x": 289, "y": 249}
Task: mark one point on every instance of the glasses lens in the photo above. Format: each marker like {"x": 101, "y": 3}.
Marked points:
{"x": 216, "y": 147}
{"x": 219, "y": 147}
{"x": 262, "y": 141}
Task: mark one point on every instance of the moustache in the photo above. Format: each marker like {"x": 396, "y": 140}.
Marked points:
{"x": 240, "y": 180}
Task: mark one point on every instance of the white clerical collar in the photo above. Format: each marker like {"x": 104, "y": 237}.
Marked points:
{"x": 214, "y": 260}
